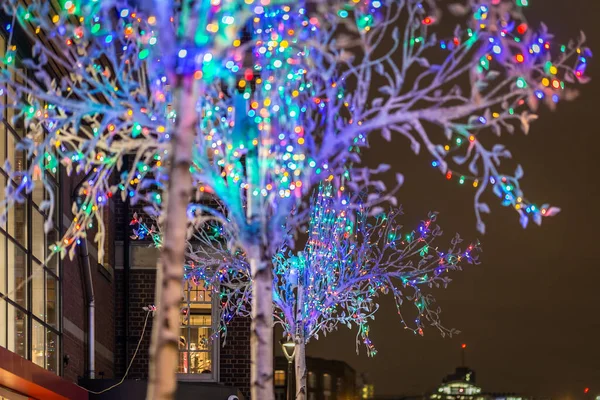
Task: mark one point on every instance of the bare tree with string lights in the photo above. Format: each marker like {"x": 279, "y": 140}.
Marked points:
{"x": 256, "y": 104}
{"x": 348, "y": 262}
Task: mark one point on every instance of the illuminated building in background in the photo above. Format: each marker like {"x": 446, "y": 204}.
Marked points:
{"x": 326, "y": 380}
{"x": 367, "y": 392}
{"x": 461, "y": 385}
{"x": 366, "y": 388}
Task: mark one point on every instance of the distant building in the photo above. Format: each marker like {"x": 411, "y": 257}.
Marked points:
{"x": 461, "y": 385}
{"x": 326, "y": 380}
{"x": 365, "y": 387}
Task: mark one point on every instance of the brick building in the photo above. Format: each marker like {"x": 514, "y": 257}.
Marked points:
{"x": 201, "y": 362}
{"x": 326, "y": 379}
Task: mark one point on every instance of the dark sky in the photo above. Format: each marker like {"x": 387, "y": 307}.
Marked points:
{"x": 530, "y": 313}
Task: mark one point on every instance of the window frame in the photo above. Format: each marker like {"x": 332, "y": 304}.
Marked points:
{"x": 32, "y": 263}
{"x": 214, "y": 375}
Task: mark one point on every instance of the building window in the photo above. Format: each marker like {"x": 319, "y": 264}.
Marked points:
{"x": 29, "y": 279}
{"x": 279, "y": 377}
{"x": 312, "y": 380}
{"x": 327, "y": 386}
{"x": 196, "y": 348}
{"x": 326, "y": 382}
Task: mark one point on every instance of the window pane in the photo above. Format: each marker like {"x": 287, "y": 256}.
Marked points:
{"x": 17, "y": 274}
{"x": 2, "y": 178}
{"x": 3, "y": 266}
{"x": 196, "y": 330}
{"x": 38, "y": 193}
{"x": 18, "y": 125}
{"x": 184, "y": 364}
{"x": 52, "y": 351}
{"x": 183, "y": 338}
{"x": 52, "y": 263}
{"x": 17, "y": 331}
{"x": 312, "y": 380}
{"x": 3, "y": 323}
{"x": 37, "y": 235}
{"x": 17, "y": 222}
{"x": 52, "y": 301}
{"x": 15, "y": 157}
{"x": 200, "y": 362}
{"x": 279, "y": 377}
{"x": 38, "y": 335}
{"x": 326, "y": 381}
{"x": 37, "y": 291}
{"x": 56, "y": 212}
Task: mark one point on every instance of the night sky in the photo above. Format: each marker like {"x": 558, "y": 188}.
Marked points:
{"x": 530, "y": 313}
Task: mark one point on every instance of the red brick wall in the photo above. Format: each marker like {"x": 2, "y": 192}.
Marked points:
{"x": 235, "y": 356}
{"x": 141, "y": 294}
{"x": 75, "y": 321}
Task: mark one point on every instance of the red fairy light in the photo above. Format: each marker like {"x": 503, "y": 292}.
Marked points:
{"x": 427, "y": 21}
{"x": 522, "y": 29}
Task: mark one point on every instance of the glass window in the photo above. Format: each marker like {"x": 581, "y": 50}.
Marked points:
{"x": 16, "y": 331}
{"x": 312, "y": 380}
{"x": 29, "y": 288}
{"x": 279, "y": 377}
{"x": 3, "y": 327}
{"x": 38, "y": 244}
{"x": 17, "y": 223}
{"x": 195, "y": 344}
{"x": 327, "y": 386}
{"x": 51, "y": 238}
{"x": 2, "y": 177}
{"x": 38, "y": 339}
{"x": 37, "y": 291}
{"x": 16, "y": 274}
{"x": 51, "y": 301}
{"x": 52, "y": 351}
{"x": 3, "y": 265}
{"x": 326, "y": 381}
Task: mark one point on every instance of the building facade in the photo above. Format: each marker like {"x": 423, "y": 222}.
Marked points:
{"x": 326, "y": 379}
{"x": 462, "y": 385}
{"x": 203, "y": 363}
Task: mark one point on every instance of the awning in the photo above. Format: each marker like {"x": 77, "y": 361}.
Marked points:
{"x": 24, "y": 378}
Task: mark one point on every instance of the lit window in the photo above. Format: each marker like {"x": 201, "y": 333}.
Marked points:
{"x": 195, "y": 344}
{"x": 279, "y": 378}
{"x": 312, "y": 380}
{"x": 326, "y": 382}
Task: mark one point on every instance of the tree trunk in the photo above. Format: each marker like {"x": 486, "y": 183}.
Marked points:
{"x": 261, "y": 339}
{"x": 164, "y": 352}
{"x": 300, "y": 361}
{"x": 300, "y": 351}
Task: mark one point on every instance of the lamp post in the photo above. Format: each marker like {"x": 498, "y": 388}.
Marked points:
{"x": 289, "y": 350}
